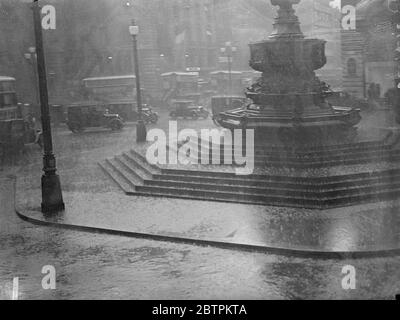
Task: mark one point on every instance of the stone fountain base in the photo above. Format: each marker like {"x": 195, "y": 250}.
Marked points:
{"x": 314, "y": 126}
{"x": 314, "y": 178}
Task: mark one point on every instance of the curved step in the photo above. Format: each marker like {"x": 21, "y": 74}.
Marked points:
{"x": 135, "y": 176}
{"x": 270, "y": 200}
{"x": 274, "y": 190}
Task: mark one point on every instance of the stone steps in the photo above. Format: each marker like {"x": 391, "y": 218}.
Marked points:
{"x": 320, "y": 163}
{"x": 136, "y": 177}
{"x": 274, "y": 190}
{"x": 310, "y": 185}
{"x": 349, "y": 156}
{"x": 118, "y": 176}
{"x": 367, "y": 146}
{"x": 325, "y": 151}
{"x": 295, "y": 183}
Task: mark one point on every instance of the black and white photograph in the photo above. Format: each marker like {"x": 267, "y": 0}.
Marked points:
{"x": 199, "y": 154}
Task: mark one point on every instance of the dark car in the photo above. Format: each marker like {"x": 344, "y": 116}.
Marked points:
{"x": 128, "y": 111}
{"x": 80, "y": 117}
{"x": 188, "y": 109}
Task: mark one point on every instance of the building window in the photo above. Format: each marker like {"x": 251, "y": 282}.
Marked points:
{"x": 352, "y": 67}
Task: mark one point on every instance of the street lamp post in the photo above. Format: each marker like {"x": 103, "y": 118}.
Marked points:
{"x": 140, "y": 126}
{"x": 31, "y": 57}
{"x": 52, "y": 200}
{"x": 229, "y": 50}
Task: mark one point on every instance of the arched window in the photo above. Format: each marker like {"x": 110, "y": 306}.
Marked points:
{"x": 352, "y": 67}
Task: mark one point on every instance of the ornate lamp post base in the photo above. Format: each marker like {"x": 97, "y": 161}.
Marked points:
{"x": 141, "y": 132}
{"x": 52, "y": 200}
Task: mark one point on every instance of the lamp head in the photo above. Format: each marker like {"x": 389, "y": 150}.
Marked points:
{"x": 133, "y": 30}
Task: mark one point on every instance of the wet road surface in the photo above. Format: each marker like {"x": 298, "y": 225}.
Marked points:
{"x": 91, "y": 266}
{"x": 95, "y": 266}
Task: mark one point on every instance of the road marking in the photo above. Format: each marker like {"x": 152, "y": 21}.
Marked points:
{"x": 15, "y": 289}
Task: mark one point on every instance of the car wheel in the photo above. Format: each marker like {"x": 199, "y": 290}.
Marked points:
{"x": 154, "y": 119}
{"x": 216, "y": 121}
{"x": 195, "y": 116}
{"x": 116, "y": 125}
{"x": 75, "y": 127}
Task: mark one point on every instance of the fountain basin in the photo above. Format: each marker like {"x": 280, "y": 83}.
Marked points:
{"x": 283, "y": 56}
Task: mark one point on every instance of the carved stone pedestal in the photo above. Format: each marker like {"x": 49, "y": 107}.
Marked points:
{"x": 289, "y": 99}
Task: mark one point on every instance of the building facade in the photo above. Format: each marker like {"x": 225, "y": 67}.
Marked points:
{"x": 96, "y": 38}
{"x": 190, "y": 27}
{"x": 367, "y": 51}
{"x": 91, "y": 39}
{"x": 325, "y": 24}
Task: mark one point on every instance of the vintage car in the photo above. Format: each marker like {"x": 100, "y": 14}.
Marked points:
{"x": 16, "y": 133}
{"x": 148, "y": 115}
{"x": 188, "y": 109}
{"x": 225, "y": 103}
{"x": 127, "y": 110}
{"x": 80, "y": 117}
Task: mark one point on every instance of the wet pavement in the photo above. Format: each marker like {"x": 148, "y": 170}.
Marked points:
{"x": 102, "y": 266}
{"x": 93, "y": 200}
{"x": 107, "y": 266}
{"x": 365, "y": 228}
